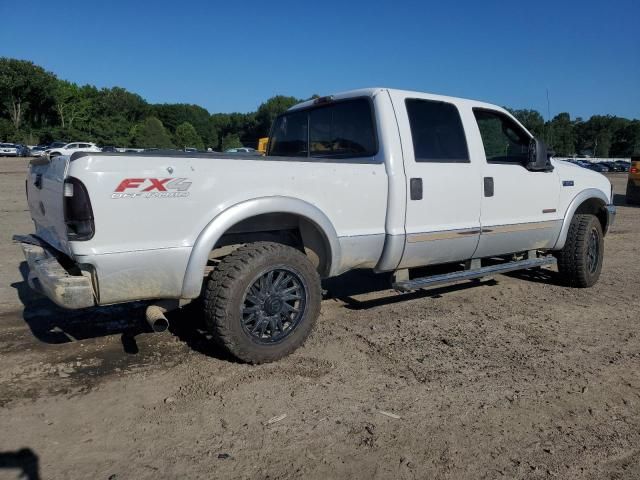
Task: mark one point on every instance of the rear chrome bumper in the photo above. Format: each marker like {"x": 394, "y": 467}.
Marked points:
{"x": 48, "y": 277}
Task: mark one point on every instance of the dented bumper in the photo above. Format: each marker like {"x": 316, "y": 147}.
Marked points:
{"x": 48, "y": 277}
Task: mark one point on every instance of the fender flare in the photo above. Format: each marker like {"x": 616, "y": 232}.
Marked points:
{"x": 573, "y": 206}
{"x": 192, "y": 283}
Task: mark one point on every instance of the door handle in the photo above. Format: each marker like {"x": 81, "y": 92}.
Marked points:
{"x": 415, "y": 189}
{"x": 38, "y": 181}
{"x": 488, "y": 186}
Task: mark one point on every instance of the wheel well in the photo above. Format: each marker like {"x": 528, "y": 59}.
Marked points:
{"x": 594, "y": 206}
{"x": 286, "y": 228}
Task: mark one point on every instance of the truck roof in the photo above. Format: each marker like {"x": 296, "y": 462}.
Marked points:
{"x": 372, "y": 92}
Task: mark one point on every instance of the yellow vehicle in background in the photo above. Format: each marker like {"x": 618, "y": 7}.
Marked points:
{"x": 262, "y": 145}
{"x": 633, "y": 183}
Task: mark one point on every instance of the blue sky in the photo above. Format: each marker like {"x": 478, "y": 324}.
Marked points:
{"x": 232, "y": 55}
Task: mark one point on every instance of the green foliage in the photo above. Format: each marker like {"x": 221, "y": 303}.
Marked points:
{"x": 531, "y": 119}
{"x": 150, "y": 134}
{"x": 186, "y": 136}
{"x": 231, "y": 140}
{"x": 24, "y": 88}
{"x": 269, "y": 110}
{"x": 626, "y": 140}
{"x": 174, "y": 115}
{"x": 600, "y": 136}
{"x": 72, "y": 103}
{"x": 7, "y": 130}
{"x": 562, "y": 137}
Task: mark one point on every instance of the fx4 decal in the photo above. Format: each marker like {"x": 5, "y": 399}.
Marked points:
{"x": 152, "y": 188}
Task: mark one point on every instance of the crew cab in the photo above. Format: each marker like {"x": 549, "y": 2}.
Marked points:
{"x": 376, "y": 178}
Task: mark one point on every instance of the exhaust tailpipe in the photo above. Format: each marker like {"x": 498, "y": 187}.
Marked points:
{"x": 155, "y": 315}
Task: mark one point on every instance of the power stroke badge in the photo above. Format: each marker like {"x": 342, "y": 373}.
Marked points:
{"x": 152, "y": 188}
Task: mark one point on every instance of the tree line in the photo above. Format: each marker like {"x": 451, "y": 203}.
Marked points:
{"x": 599, "y": 136}
{"x": 36, "y": 107}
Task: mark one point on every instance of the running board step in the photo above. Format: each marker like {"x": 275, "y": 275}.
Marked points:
{"x": 422, "y": 282}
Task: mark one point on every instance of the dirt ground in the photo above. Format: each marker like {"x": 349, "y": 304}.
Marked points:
{"x": 518, "y": 377}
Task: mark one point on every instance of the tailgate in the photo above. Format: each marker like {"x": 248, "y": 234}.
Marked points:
{"x": 45, "y": 195}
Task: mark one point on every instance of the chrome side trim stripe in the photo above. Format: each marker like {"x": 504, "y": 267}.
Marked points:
{"x": 441, "y": 235}
{"x": 493, "y": 229}
{"x": 518, "y": 227}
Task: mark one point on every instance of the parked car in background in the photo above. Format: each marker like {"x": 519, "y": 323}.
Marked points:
{"x": 596, "y": 167}
{"x": 110, "y": 149}
{"x": 8, "y": 150}
{"x": 624, "y": 164}
{"x": 70, "y": 148}
{"x": 633, "y": 182}
{"x": 38, "y": 150}
{"x": 23, "y": 150}
{"x": 240, "y": 150}
{"x": 56, "y": 144}
{"x": 613, "y": 166}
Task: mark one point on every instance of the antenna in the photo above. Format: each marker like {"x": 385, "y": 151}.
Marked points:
{"x": 548, "y": 119}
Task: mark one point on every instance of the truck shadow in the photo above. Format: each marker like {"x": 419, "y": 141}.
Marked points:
{"x": 54, "y": 325}
{"x": 188, "y": 325}
{"x": 620, "y": 200}
{"x": 24, "y": 461}
{"x": 538, "y": 275}
{"x": 359, "y": 282}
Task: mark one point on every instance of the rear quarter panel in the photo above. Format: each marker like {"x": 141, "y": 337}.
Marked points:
{"x": 352, "y": 195}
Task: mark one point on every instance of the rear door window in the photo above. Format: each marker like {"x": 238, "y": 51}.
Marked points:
{"x": 437, "y": 132}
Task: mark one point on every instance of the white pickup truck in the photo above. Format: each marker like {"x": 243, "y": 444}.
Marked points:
{"x": 374, "y": 179}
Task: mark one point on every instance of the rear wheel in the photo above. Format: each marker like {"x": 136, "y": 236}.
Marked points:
{"x": 262, "y": 301}
{"x": 580, "y": 261}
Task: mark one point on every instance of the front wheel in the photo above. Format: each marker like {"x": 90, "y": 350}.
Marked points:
{"x": 262, "y": 301}
{"x": 580, "y": 261}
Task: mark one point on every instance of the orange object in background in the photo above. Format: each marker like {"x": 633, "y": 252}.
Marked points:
{"x": 262, "y": 144}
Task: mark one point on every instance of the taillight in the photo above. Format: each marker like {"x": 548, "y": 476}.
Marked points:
{"x": 633, "y": 170}
{"x": 77, "y": 210}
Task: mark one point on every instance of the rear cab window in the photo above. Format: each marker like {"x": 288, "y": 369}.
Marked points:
{"x": 342, "y": 129}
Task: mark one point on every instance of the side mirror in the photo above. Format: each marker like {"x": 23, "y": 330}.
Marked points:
{"x": 538, "y": 157}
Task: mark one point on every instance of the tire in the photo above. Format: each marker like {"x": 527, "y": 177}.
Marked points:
{"x": 249, "y": 301}
{"x": 580, "y": 261}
